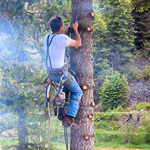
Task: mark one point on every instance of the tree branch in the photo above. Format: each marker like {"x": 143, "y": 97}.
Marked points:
{"x": 7, "y": 22}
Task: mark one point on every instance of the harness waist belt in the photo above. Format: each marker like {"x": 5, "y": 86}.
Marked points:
{"x": 58, "y": 71}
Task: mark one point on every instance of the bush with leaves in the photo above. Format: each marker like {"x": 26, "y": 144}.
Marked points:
{"x": 137, "y": 75}
{"x": 146, "y": 123}
{"x": 147, "y": 72}
{"x": 142, "y": 106}
{"x": 114, "y": 91}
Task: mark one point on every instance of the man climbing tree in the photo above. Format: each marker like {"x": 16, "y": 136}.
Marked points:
{"x": 82, "y": 64}
{"x": 55, "y": 45}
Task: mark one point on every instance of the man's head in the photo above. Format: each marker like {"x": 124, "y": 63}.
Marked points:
{"x": 56, "y": 24}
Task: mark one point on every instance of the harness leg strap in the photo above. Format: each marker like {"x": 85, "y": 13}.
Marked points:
{"x": 68, "y": 80}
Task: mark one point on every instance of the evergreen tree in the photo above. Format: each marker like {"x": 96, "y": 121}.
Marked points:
{"x": 23, "y": 27}
{"x": 114, "y": 38}
{"x": 141, "y": 14}
{"x": 114, "y": 91}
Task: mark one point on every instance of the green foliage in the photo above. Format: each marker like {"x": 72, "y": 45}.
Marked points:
{"x": 8, "y": 144}
{"x": 142, "y": 21}
{"x": 113, "y": 39}
{"x": 147, "y": 72}
{"x": 137, "y": 75}
{"x": 142, "y": 105}
{"x": 106, "y": 116}
{"x": 104, "y": 136}
{"x": 126, "y": 127}
{"x": 112, "y": 31}
{"x": 146, "y": 48}
{"x": 114, "y": 91}
{"x": 146, "y": 123}
{"x": 22, "y": 29}
{"x": 141, "y": 5}
{"x": 119, "y": 109}
{"x": 136, "y": 136}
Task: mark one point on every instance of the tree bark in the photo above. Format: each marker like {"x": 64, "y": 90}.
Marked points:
{"x": 22, "y": 130}
{"x": 81, "y": 61}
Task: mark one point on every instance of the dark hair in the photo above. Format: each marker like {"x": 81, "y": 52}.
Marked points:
{"x": 55, "y": 23}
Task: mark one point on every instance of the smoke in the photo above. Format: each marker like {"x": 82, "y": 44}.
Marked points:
{"x": 15, "y": 46}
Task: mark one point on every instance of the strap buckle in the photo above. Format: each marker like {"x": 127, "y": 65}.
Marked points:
{"x": 62, "y": 80}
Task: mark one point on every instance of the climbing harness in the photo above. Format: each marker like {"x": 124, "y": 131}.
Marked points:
{"x": 47, "y": 53}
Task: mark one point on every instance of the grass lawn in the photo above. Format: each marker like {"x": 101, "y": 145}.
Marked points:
{"x": 109, "y": 148}
{"x": 61, "y": 146}
{"x": 117, "y": 146}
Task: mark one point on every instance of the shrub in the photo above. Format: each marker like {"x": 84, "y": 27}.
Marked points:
{"x": 146, "y": 48}
{"x": 146, "y": 123}
{"x": 114, "y": 91}
{"x": 137, "y": 136}
{"x": 147, "y": 72}
{"x": 137, "y": 75}
{"x": 119, "y": 109}
{"x": 142, "y": 105}
{"x": 106, "y": 117}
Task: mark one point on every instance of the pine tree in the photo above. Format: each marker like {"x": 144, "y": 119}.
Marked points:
{"x": 141, "y": 14}
{"x": 114, "y": 91}
{"x": 82, "y": 64}
{"x": 114, "y": 38}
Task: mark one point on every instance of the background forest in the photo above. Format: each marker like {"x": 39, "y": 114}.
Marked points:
{"x": 121, "y": 72}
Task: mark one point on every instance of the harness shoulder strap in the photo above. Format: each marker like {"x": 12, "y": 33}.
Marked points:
{"x": 47, "y": 54}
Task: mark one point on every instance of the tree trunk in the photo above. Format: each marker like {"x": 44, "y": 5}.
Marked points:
{"x": 82, "y": 64}
{"x": 22, "y": 130}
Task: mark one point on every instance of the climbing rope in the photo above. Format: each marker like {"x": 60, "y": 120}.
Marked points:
{"x": 66, "y": 137}
{"x": 45, "y": 124}
{"x": 48, "y": 104}
{"x": 49, "y": 114}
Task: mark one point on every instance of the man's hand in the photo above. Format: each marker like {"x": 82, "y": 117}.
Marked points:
{"x": 75, "y": 26}
{"x": 77, "y": 42}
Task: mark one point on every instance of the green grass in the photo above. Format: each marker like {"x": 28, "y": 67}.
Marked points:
{"x": 117, "y": 145}
{"x": 61, "y": 146}
{"x": 109, "y": 148}
{"x": 7, "y": 143}
{"x": 110, "y": 134}
{"x": 98, "y": 146}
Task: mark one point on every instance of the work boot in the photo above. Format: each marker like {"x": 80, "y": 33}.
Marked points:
{"x": 68, "y": 121}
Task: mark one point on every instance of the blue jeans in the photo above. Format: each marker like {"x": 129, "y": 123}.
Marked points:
{"x": 76, "y": 94}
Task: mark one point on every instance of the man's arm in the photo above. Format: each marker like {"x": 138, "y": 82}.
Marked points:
{"x": 77, "y": 42}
